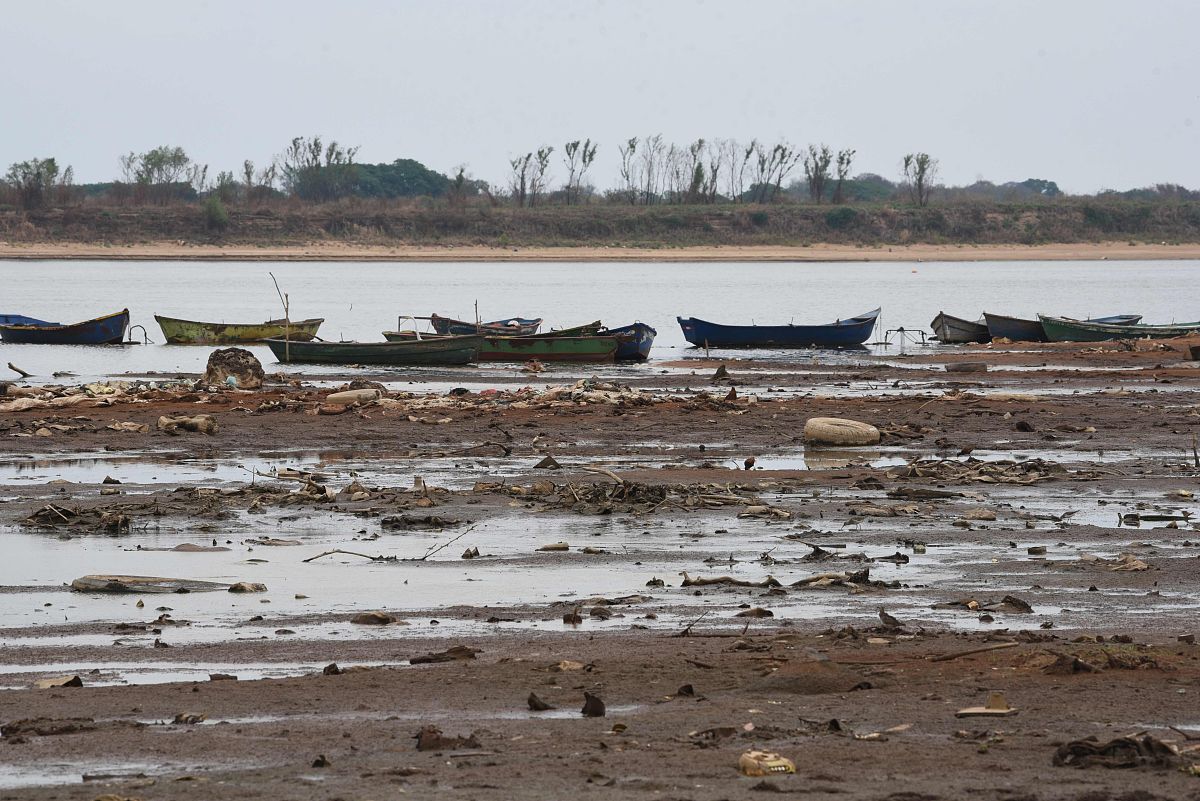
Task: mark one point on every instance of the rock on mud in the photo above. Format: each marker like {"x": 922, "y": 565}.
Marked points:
{"x": 839, "y": 431}
{"x": 238, "y": 363}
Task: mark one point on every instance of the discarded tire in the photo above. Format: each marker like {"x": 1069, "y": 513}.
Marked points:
{"x": 838, "y": 431}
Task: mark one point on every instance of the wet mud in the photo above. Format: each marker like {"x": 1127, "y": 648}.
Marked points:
{"x": 656, "y": 537}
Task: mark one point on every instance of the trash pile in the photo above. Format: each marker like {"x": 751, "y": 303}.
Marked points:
{"x": 1029, "y": 471}
{"x": 636, "y": 497}
{"x": 100, "y": 393}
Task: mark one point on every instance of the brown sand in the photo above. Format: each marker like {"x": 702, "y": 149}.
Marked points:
{"x": 175, "y": 251}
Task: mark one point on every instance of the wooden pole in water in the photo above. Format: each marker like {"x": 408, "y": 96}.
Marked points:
{"x": 287, "y": 322}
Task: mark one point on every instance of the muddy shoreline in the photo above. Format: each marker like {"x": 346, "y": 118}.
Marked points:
{"x": 1043, "y": 510}
{"x": 326, "y": 251}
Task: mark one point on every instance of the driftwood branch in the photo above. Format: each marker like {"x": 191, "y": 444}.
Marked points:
{"x": 971, "y": 651}
{"x": 18, "y": 370}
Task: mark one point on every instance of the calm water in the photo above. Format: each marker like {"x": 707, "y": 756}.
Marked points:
{"x": 358, "y": 301}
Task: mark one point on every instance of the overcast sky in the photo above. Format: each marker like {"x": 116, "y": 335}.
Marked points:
{"x": 1090, "y": 93}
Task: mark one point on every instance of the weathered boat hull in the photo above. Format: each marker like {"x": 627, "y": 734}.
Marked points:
{"x": 193, "y": 332}
{"x": 512, "y": 326}
{"x": 107, "y": 330}
{"x": 543, "y": 347}
{"x": 1062, "y": 329}
{"x": 586, "y": 330}
{"x": 633, "y": 341}
{"x": 1016, "y": 329}
{"x": 851, "y": 331}
{"x": 951, "y": 330}
{"x": 435, "y": 351}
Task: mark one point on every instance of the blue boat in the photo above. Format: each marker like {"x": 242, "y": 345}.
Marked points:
{"x": 633, "y": 341}
{"x": 851, "y": 331}
{"x": 107, "y": 330}
{"x": 20, "y": 319}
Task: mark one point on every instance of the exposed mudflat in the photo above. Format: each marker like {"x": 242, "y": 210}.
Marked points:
{"x": 1044, "y": 509}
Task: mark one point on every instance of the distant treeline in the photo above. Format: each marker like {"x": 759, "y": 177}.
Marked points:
{"x": 651, "y": 172}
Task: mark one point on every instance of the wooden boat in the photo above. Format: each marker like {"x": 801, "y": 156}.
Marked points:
{"x": 1020, "y": 330}
{"x": 20, "y": 319}
{"x": 448, "y": 350}
{"x": 633, "y": 341}
{"x": 1063, "y": 329}
{"x": 1016, "y": 329}
{"x": 955, "y": 330}
{"x": 107, "y": 330}
{"x": 851, "y": 331}
{"x": 512, "y": 326}
{"x": 588, "y": 329}
{"x": 543, "y": 347}
{"x": 192, "y": 332}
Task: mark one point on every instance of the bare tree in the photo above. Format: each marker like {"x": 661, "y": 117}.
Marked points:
{"x": 197, "y": 176}
{"x": 578, "y": 157}
{"x": 770, "y": 168}
{"x": 518, "y": 182}
{"x": 920, "y": 171}
{"x": 816, "y": 170}
{"x": 628, "y": 153}
{"x": 247, "y": 179}
{"x": 312, "y": 170}
{"x": 36, "y": 181}
{"x": 538, "y": 178}
{"x": 651, "y": 164}
{"x": 844, "y": 159}
{"x": 737, "y": 161}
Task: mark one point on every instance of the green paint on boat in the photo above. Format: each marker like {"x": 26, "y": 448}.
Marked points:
{"x": 1061, "y": 329}
{"x": 193, "y": 332}
{"x": 430, "y": 351}
{"x": 543, "y": 347}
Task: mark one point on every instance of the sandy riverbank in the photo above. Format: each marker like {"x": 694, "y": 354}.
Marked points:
{"x": 336, "y": 251}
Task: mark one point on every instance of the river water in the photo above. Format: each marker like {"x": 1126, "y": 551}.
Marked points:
{"x": 359, "y": 300}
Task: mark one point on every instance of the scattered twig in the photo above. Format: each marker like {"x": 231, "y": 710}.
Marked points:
{"x": 24, "y": 374}
{"x": 687, "y": 630}
{"x": 451, "y": 541}
{"x": 969, "y": 652}
{"x": 352, "y": 553}
{"x": 604, "y": 472}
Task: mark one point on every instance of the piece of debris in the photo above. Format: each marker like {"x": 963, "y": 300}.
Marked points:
{"x": 555, "y": 546}
{"x": 537, "y": 704}
{"x": 143, "y": 584}
{"x": 353, "y": 397}
{"x": 373, "y": 619}
{"x": 548, "y": 463}
{"x": 200, "y": 423}
{"x": 189, "y": 718}
{"x": 764, "y": 763}
{"x": 593, "y": 707}
{"x": 453, "y": 654}
{"x": 1134, "y": 751}
{"x": 430, "y": 738}
{"x": 996, "y": 706}
{"x": 248, "y": 586}
{"x": 58, "y": 681}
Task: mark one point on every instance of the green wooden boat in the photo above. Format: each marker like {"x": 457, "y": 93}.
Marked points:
{"x": 543, "y": 347}
{"x": 192, "y": 332}
{"x": 450, "y": 350}
{"x": 1062, "y": 329}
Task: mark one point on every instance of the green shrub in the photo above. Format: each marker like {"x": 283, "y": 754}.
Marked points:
{"x": 216, "y": 218}
{"x": 759, "y": 218}
{"x": 841, "y": 217}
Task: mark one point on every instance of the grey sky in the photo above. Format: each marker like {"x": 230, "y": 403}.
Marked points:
{"x": 1090, "y": 93}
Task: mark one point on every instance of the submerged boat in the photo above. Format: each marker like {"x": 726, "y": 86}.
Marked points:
{"x": 1021, "y": 330}
{"x": 20, "y": 319}
{"x": 448, "y": 350}
{"x": 851, "y": 331}
{"x": 633, "y": 341}
{"x": 1064, "y": 329}
{"x": 107, "y": 330}
{"x": 192, "y": 332}
{"x": 955, "y": 330}
{"x": 512, "y": 326}
{"x": 543, "y": 347}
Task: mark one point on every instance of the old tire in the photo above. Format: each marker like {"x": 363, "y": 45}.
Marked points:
{"x": 839, "y": 431}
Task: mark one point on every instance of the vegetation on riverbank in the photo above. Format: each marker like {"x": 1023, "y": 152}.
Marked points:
{"x": 383, "y": 223}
